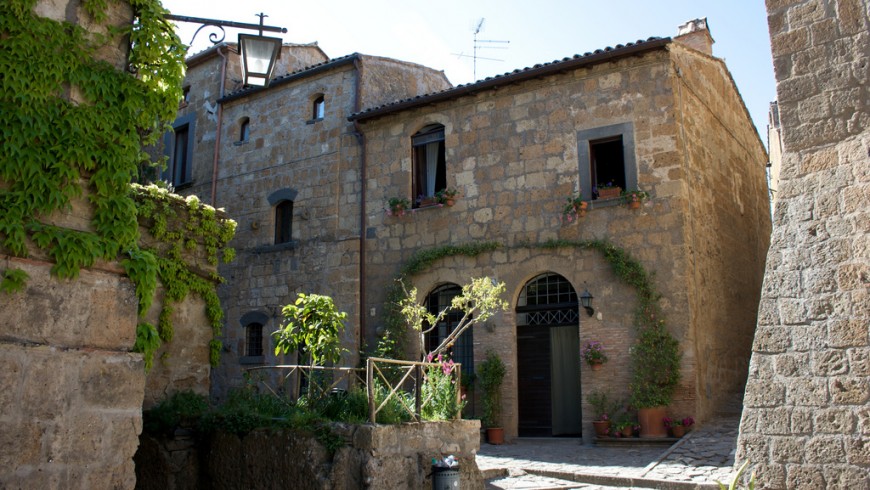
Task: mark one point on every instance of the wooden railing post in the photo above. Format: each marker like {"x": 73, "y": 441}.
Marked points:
{"x": 458, "y": 369}
{"x": 370, "y": 387}
{"x": 418, "y": 392}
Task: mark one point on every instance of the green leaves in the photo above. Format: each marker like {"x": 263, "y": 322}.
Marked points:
{"x": 147, "y": 342}
{"x": 313, "y": 325}
{"x": 13, "y": 280}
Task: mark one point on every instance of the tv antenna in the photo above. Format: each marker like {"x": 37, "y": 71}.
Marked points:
{"x": 482, "y": 44}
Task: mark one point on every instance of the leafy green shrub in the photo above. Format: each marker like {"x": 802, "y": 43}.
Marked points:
{"x": 246, "y": 410}
{"x": 183, "y": 408}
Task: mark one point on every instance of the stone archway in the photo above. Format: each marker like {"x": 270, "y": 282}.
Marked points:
{"x": 548, "y": 364}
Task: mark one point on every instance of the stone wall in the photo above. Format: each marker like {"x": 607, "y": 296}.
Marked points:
{"x": 725, "y": 184}
{"x": 806, "y": 421}
{"x": 375, "y": 456}
{"x": 71, "y": 404}
{"x": 72, "y": 391}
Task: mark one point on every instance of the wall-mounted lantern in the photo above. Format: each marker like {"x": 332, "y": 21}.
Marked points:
{"x": 586, "y": 302}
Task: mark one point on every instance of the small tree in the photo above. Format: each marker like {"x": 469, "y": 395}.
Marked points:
{"x": 491, "y": 375}
{"x": 312, "y": 326}
{"x": 480, "y": 299}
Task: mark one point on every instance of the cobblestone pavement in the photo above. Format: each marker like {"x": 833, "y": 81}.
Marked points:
{"x": 698, "y": 460}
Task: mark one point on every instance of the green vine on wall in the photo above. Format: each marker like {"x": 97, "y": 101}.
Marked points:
{"x": 183, "y": 228}
{"x": 655, "y": 358}
{"x": 75, "y": 126}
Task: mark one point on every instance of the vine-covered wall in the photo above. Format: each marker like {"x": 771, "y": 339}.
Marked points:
{"x": 85, "y": 86}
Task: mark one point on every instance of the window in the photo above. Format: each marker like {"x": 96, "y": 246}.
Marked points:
{"x": 178, "y": 147}
{"x": 607, "y": 164}
{"x": 252, "y": 324}
{"x": 254, "y": 340}
{"x": 245, "y": 129}
{"x": 319, "y": 108}
{"x": 430, "y": 168}
{"x": 283, "y": 222}
{"x": 606, "y": 156}
{"x": 463, "y": 350}
{"x": 185, "y": 96}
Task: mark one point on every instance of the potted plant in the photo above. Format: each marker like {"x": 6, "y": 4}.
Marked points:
{"x": 447, "y": 196}
{"x": 396, "y": 206}
{"x": 594, "y": 354}
{"x": 426, "y": 201}
{"x": 604, "y": 409}
{"x": 607, "y": 190}
{"x": 634, "y": 197}
{"x": 574, "y": 208}
{"x": 625, "y": 425}
{"x": 678, "y": 427}
{"x": 491, "y": 373}
{"x": 655, "y": 360}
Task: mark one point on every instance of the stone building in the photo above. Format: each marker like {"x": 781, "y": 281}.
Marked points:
{"x": 284, "y": 162}
{"x": 308, "y": 164}
{"x": 806, "y": 422}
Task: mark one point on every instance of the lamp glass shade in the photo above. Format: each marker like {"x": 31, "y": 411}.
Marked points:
{"x": 258, "y": 58}
{"x": 586, "y": 299}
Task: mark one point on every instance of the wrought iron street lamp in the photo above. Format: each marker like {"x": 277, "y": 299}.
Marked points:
{"x": 258, "y": 52}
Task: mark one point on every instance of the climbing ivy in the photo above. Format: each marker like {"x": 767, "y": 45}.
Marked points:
{"x": 74, "y": 126}
{"x": 656, "y": 358}
{"x": 182, "y": 227}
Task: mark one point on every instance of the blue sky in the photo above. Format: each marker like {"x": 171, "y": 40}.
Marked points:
{"x": 439, "y": 34}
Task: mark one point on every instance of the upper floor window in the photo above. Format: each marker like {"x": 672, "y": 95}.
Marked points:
{"x": 607, "y": 161}
{"x": 430, "y": 167}
{"x": 185, "y": 96}
{"x": 319, "y": 108}
{"x": 178, "y": 147}
{"x": 245, "y": 129}
{"x": 283, "y": 222}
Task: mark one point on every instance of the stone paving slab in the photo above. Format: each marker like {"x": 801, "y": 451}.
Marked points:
{"x": 698, "y": 460}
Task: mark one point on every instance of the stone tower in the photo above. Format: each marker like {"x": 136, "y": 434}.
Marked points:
{"x": 806, "y": 421}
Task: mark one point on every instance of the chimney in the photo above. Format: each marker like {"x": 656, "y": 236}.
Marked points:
{"x": 696, "y": 35}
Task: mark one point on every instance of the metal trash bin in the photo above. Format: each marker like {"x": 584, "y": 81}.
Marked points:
{"x": 445, "y": 478}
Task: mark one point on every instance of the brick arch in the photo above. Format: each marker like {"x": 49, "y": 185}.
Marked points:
{"x": 287, "y": 194}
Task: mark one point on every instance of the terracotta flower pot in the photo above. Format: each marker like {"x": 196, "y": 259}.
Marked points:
{"x": 628, "y": 431}
{"x": 602, "y": 428}
{"x": 596, "y": 366}
{"x": 495, "y": 435}
{"x": 634, "y": 204}
{"x": 678, "y": 430}
{"x": 652, "y": 422}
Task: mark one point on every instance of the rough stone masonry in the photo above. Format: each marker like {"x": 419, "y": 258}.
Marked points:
{"x": 806, "y": 421}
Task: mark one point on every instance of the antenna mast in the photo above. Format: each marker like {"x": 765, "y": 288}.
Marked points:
{"x": 478, "y": 42}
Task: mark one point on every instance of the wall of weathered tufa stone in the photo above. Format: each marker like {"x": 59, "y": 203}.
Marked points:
{"x": 806, "y": 421}
{"x": 375, "y": 456}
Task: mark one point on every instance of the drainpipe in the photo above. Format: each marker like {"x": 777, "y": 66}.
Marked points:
{"x": 362, "y": 206}
{"x": 217, "y": 139}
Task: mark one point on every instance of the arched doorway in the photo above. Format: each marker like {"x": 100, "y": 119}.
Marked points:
{"x": 548, "y": 358}
{"x": 463, "y": 350}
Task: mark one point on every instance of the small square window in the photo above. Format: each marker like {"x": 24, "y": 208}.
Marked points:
{"x": 606, "y": 159}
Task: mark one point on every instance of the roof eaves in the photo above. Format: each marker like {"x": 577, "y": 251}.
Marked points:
{"x": 290, "y": 77}
{"x": 516, "y": 76}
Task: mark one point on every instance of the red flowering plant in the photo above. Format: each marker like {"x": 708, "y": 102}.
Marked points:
{"x": 439, "y": 389}
{"x": 594, "y": 352}
{"x": 686, "y": 422}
